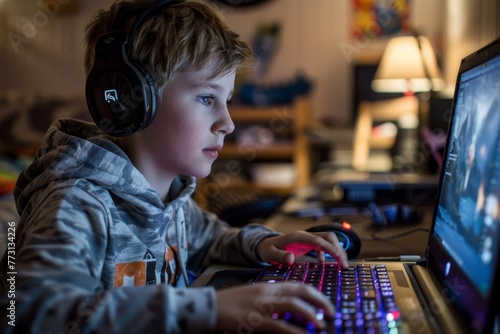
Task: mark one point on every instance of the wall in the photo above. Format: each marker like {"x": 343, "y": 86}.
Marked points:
{"x": 317, "y": 40}
{"x": 480, "y": 25}
{"x": 41, "y": 47}
{"x": 314, "y": 37}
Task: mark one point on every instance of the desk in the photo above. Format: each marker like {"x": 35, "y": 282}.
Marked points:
{"x": 407, "y": 244}
{"x": 416, "y": 190}
{"x": 411, "y": 244}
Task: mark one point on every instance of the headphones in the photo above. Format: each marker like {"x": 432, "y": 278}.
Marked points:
{"x": 121, "y": 94}
{"x": 394, "y": 214}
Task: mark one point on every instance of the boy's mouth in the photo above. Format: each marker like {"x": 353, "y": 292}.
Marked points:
{"x": 213, "y": 152}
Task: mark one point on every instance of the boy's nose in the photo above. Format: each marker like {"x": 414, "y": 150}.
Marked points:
{"x": 225, "y": 124}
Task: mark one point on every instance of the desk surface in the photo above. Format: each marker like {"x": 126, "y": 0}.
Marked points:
{"x": 300, "y": 212}
{"x": 410, "y": 244}
{"x": 375, "y": 242}
{"x": 407, "y": 244}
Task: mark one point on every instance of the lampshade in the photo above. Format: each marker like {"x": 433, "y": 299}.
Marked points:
{"x": 408, "y": 65}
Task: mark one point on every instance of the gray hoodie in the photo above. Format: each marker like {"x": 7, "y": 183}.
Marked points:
{"x": 97, "y": 251}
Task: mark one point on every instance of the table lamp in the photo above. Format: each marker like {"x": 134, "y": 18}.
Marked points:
{"x": 409, "y": 66}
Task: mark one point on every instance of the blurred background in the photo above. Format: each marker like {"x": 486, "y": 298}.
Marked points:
{"x": 43, "y": 53}
{"x": 313, "y": 85}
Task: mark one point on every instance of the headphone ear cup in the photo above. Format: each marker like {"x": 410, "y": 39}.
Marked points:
{"x": 392, "y": 214}
{"x": 378, "y": 218}
{"x": 395, "y": 214}
{"x": 149, "y": 101}
{"x": 121, "y": 95}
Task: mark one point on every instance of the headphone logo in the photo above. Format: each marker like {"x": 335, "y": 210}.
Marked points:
{"x": 109, "y": 40}
{"x": 110, "y": 95}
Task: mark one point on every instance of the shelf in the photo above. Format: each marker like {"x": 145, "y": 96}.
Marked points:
{"x": 246, "y": 114}
{"x": 275, "y": 151}
{"x": 382, "y": 143}
{"x": 251, "y": 186}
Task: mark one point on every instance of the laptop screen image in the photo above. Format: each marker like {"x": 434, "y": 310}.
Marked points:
{"x": 464, "y": 244}
{"x": 468, "y": 216}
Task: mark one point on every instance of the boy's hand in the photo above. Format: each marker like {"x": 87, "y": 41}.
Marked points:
{"x": 286, "y": 248}
{"x": 260, "y": 308}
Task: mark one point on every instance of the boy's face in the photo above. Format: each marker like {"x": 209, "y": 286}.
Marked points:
{"x": 191, "y": 123}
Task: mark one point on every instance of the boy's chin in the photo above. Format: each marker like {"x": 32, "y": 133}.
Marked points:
{"x": 201, "y": 174}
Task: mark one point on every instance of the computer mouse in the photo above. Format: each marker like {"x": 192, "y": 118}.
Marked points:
{"x": 348, "y": 239}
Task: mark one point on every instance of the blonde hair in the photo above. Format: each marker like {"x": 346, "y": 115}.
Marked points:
{"x": 174, "y": 40}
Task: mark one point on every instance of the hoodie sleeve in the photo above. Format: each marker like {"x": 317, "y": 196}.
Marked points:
{"x": 58, "y": 280}
{"x": 212, "y": 240}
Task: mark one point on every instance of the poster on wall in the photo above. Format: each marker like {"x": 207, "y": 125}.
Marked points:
{"x": 374, "y": 18}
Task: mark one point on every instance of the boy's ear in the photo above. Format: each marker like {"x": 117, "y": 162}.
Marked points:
{"x": 121, "y": 94}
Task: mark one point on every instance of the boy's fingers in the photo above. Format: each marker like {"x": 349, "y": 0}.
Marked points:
{"x": 289, "y": 259}
{"x": 335, "y": 249}
{"x": 280, "y": 256}
{"x": 321, "y": 256}
{"x": 306, "y": 302}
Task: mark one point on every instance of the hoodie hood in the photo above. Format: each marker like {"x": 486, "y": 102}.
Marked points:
{"x": 74, "y": 149}
{"x": 77, "y": 153}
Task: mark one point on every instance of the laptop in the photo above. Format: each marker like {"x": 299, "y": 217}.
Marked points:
{"x": 456, "y": 289}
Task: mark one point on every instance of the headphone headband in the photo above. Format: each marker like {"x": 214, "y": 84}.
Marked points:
{"x": 120, "y": 93}
{"x": 142, "y": 9}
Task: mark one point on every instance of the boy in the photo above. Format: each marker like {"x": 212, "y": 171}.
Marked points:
{"x": 108, "y": 230}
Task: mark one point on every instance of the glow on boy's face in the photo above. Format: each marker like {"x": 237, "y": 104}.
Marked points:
{"x": 191, "y": 122}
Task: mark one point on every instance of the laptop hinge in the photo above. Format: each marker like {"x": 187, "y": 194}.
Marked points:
{"x": 437, "y": 304}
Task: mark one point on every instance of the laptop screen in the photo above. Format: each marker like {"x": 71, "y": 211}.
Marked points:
{"x": 468, "y": 212}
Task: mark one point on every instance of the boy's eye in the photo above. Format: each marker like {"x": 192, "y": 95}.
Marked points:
{"x": 205, "y": 99}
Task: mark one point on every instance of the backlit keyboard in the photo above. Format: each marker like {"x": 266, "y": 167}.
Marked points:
{"x": 362, "y": 294}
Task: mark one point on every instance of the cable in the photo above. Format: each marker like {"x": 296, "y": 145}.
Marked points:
{"x": 374, "y": 237}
